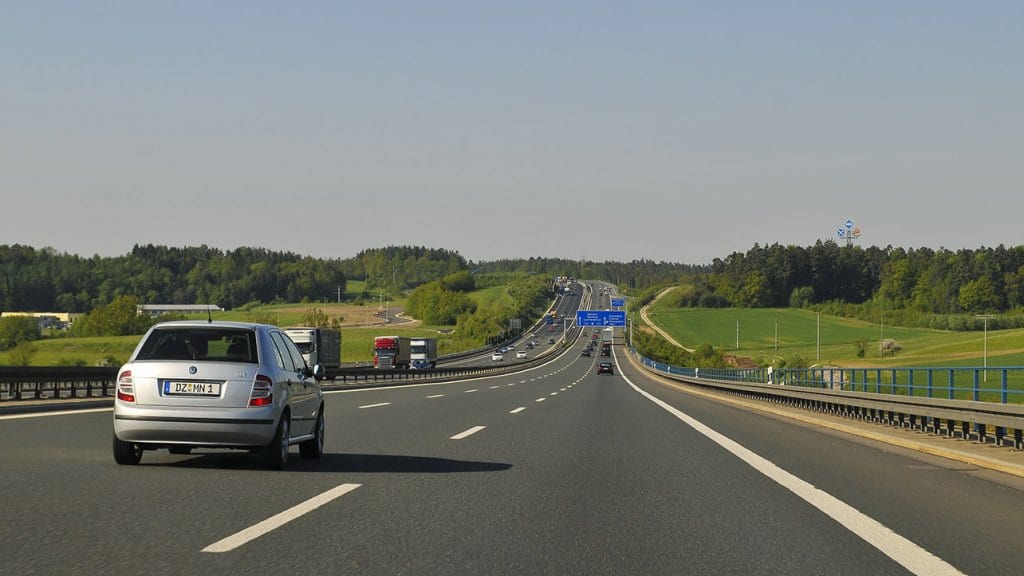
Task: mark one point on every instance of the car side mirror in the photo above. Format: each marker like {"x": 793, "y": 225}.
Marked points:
{"x": 319, "y": 372}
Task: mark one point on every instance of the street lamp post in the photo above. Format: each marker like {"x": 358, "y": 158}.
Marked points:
{"x": 881, "y": 336}
{"x": 984, "y": 318}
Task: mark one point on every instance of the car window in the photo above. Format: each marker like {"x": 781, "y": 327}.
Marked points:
{"x": 289, "y": 350}
{"x": 297, "y": 359}
{"x": 284, "y": 358}
{"x": 215, "y": 344}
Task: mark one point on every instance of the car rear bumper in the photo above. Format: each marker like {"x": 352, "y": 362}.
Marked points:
{"x": 236, "y": 427}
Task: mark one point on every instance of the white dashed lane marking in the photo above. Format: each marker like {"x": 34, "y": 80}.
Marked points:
{"x": 468, "y": 433}
{"x": 255, "y": 531}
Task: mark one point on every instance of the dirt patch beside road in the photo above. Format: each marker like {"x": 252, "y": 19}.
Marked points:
{"x": 355, "y": 316}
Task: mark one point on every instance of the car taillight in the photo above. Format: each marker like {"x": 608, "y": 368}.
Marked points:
{"x": 262, "y": 391}
{"x": 125, "y": 387}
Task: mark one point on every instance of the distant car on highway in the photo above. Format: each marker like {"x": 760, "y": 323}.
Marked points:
{"x": 585, "y": 352}
{"x": 521, "y": 354}
{"x": 197, "y": 384}
{"x": 497, "y": 357}
{"x": 605, "y": 368}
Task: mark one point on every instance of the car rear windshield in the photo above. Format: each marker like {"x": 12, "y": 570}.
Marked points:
{"x": 195, "y": 343}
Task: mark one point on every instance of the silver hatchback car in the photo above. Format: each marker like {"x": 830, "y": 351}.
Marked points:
{"x": 206, "y": 384}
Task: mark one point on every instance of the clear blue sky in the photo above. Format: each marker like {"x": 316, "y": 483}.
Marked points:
{"x": 678, "y": 131}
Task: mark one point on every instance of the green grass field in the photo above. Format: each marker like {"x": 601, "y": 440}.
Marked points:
{"x": 798, "y": 335}
{"x": 66, "y": 351}
{"x": 357, "y": 341}
{"x": 487, "y": 296}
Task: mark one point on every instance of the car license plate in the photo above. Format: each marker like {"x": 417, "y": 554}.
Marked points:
{"x": 174, "y": 388}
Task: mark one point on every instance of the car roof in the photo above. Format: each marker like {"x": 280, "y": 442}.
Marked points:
{"x": 207, "y": 324}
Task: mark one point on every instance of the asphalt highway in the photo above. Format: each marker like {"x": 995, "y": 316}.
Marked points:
{"x": 554, "y": 470}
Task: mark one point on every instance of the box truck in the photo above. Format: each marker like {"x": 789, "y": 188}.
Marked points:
{"x": 423, "y": 353}
{"x": 317, "y": 345}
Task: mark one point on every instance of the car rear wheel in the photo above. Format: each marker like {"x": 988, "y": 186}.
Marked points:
{"x": 128, "y": 453}
{"x": 275, "y": 454}
{"x": 314, "y": 449}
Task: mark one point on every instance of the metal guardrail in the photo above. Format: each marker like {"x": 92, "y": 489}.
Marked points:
{"x": 68, "y": 382}
{"x": 60, "y": 382}
{"x": 969, "y": 383}
{"x": 898, "y": 405}
{"x": 40, "y": 382}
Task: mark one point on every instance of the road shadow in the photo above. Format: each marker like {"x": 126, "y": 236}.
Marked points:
{"x": 399, "y": 464}
{"x": 350, "y": 463}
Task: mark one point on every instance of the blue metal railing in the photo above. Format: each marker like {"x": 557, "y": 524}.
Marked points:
{"x": 1003, "y": 385}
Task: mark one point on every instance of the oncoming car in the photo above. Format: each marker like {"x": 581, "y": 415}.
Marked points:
{"x": 605, "y": 368}
{"x": 197, "y": 384}
{"x": 521, "y": 355}
{"x": 497, "y": 357}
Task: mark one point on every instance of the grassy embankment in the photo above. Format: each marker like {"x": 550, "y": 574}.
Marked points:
{"x": 798, "y": 335}
{"x": 360, "y": 325}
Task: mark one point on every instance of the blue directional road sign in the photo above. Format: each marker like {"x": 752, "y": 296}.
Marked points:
{"x": 618, "y": 302}
{"x": 612, "y": 318}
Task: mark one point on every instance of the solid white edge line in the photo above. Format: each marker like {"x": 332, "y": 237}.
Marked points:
{"x": 55, "y": 413}
{"x": 469, "y": 432}
{"x": 255, "y": 531}
{"x": 906, "y": 553}
{"x": 517, "y": 410}
{"x": 375, "y": 405}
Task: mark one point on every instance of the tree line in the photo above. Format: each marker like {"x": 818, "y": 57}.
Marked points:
{"x": 940, "y": 289}
{"x": 919, "y": 281}
{"x": 43, "y": 280}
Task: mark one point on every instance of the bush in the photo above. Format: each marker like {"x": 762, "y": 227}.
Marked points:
{"x": 22, "y": 354}
{"x": 317, "y": 318}
{"x": 801, "y": 297}
{"x": 15, "y": 330}
{"x": 862, "y": 348}
{"x": 797, "y": 361}
{"x": 119, "y": 318}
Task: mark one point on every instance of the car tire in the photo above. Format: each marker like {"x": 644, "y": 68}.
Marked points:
{"x": 127, "y": 453}
{"x": 275, "y": 454}
{"x": 314, "y": 449}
